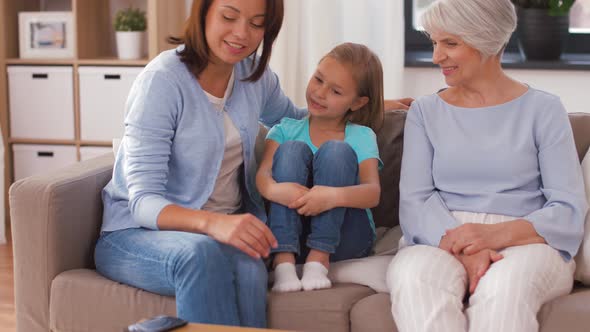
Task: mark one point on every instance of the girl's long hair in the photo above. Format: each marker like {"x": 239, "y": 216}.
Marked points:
{"x": 368, "y": 74}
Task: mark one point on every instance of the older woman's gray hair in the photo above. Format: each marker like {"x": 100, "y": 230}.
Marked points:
{"x": 485, "y": 25}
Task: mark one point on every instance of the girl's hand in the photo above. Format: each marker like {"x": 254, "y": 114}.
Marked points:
{"x": 477, "y": 265}
{"x": 397, "y": 104}
{"x": 471, "y": 238}
{"x": 286, "y": 193}
{"x": 316, "y": 201}
{"x": 245, "y": 232}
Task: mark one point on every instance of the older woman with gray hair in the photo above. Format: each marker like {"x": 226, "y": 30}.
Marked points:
{"x": 492, "y": 198}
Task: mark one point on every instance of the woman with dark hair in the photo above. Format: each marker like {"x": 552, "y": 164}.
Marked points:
{"x": 182, "y": 216}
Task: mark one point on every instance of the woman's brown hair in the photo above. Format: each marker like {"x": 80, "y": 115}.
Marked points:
{"x": 368, "y": 74}
{"x": 196, "y": 51}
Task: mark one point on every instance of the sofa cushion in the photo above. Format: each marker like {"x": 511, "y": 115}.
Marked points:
{"x": 387, "y": 240}
{"x": 320, "y": 310}
{"x": 372, "y": 314}
{"x": 83, "y": 300}
{"x": 390, "y": 140}
{"x": 566, "y": 313}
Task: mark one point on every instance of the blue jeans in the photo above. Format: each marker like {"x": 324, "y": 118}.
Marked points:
{"x": 213, "y": 283}
{"x": 345, "y": 233}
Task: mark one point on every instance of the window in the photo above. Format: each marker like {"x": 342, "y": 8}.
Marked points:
{"x": 580, "y": 17}
{"x": 579, "y": 41}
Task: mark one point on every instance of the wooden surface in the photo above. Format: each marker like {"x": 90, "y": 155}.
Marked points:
{"x": 165, "y": 18}
{"x": 7, "y": 319}
{"x": 92, "y": 28}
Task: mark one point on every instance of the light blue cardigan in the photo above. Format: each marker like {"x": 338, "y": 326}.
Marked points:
{"x": 174, "y": 141}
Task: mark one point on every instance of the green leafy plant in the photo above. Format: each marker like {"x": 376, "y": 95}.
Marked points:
{"x": 555, "y": 7}
{"x": 130, "y": 19}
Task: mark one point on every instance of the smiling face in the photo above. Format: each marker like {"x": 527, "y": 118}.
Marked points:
{"x": 332, "y": 91}
{"x": 460, "y": 63}
{"x": 234, "y": 29}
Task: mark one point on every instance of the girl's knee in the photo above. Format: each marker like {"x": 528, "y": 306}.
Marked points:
{"x": 293, "y": 150}
{"x": 291, "y": 162}
{"x": 336, "y": 150}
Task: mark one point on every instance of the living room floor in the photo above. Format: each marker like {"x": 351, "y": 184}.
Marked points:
{"x": 7, "y": 318}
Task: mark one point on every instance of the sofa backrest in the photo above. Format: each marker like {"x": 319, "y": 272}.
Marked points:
{"x": 581, "y": 127}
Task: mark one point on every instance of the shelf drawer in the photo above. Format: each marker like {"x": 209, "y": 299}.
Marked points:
{"x": 103, "y": 95}
{"x": 41, "y": 102}
{"x": 38, "y": 159}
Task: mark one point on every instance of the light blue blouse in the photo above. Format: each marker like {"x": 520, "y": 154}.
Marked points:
{"x": 174, "y": 141}
{"x": 516, "y": 159}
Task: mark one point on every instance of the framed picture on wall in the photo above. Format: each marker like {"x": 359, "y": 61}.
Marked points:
{"x": 46, "y": 35}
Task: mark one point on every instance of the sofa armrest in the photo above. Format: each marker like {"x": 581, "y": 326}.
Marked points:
{"x": 55, "y": 221}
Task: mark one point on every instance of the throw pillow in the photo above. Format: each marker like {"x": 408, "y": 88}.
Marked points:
{"x": 583, "y": 257}
{"x": 369, "y": 271}
{"x": 387, "y": 241}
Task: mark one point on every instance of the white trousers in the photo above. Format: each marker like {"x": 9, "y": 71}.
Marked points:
{"x": 428, "y": 285}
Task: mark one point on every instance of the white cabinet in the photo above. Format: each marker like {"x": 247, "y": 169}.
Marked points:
{"x": 103, "y": 95}
{"x": 41, "y": 102}
{"x": 37, "y": 159}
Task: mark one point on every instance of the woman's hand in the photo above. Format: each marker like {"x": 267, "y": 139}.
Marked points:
{"x": 285, "y": 193}
{"x": 243, "y": 231}
{"x": 316, "y": 201}
{"x": 471, "y": 238}
{"x": 477, "y": 265}
{"x": 397, "y": 104}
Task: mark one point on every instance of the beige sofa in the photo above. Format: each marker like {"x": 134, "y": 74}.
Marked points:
{"x": 56, "y": 220}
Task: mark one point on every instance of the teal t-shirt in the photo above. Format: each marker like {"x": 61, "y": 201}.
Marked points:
{"x": 362, "y": 140}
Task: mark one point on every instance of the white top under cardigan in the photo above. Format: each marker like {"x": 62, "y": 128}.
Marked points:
{"x": 226, "y": 197}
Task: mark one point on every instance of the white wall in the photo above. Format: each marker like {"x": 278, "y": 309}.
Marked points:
{"x": 311, "y": 28}
{"x": 572, "y": 86}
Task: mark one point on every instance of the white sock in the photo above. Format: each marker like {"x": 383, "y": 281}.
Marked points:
{"x": 315, "y": 276}
{"x": 286, "y": 279}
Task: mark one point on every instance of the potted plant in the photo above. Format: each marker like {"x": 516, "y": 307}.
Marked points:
{"x": 130, "y": 25}
{"x": 543, "y": 27}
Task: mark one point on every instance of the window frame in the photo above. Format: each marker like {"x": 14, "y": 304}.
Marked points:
{"x": 417, "y": 41}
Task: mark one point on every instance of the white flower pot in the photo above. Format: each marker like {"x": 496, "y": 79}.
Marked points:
{"x": 130, "y": 44}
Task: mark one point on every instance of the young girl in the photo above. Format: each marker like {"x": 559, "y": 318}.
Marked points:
{"x": 325, "y": 167}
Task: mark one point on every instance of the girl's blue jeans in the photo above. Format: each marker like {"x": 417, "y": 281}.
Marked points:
{"x": 213, "y": 283}
{"x": 345, "y": 233}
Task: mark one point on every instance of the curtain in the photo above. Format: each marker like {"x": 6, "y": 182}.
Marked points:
{"x": 311, "y": 28}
